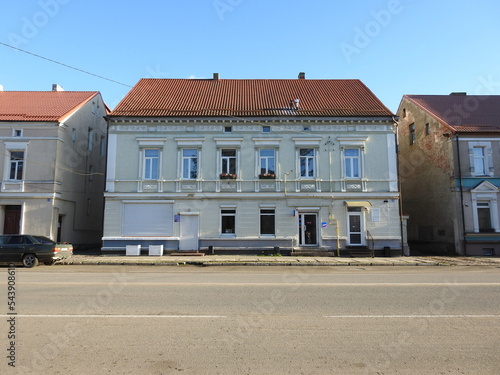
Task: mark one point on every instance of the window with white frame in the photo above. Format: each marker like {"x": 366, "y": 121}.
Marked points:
{"x": 189, "y": 163}
{"x": 352, "y": 162}
{"x": 267, "y": 221}
{"x": 228, "y": 162}
{"x": 480, "y": 158}
{"x": 267, "y": 162}
{"x": 484, "y": 217}
{"x": 228, "y": 221}
{"x": 151, "y": 164}
{"x": 307, "y": 162}
{"x": 16, "y": 165}
{"x": 479, "y": 161}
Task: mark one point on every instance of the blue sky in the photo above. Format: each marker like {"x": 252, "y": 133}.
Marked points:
{"x": 395, "y": 47}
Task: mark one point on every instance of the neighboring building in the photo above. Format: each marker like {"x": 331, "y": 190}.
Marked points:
{"x": 52, "y": 164}
{"x": 251, "y": 164}
{"x": 449, "y": 172}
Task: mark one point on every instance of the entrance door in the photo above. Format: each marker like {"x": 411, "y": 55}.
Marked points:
{"x": 189, "y": 232}
{"x": 12, "y": 222}
{"x": 308, "y": 229}
{"x": 355, "y": 217}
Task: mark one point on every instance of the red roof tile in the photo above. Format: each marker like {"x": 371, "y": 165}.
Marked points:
{"x": 41, "y": 105}
{"x": 462, "y": 113}
{"x": 249, "y": 97}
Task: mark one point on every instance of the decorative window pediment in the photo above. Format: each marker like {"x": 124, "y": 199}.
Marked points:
{"x": 485, "y": 187}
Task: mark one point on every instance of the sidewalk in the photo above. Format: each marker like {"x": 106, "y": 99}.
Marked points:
{"x": 256, "y": 260}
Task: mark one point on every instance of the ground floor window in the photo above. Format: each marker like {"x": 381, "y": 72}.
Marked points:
{"x": 267, "y": 222}
{"x": 484, "y": 217}
{"x": 228, "y": 221}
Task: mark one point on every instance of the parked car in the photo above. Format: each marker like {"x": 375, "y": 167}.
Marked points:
{"x": 31, "y": 249}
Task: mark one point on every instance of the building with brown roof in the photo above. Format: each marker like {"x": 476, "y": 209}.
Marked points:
{"x": 52, "y": 160}
{"x": 449, "y": 171}
{"x": 251, "y": 164}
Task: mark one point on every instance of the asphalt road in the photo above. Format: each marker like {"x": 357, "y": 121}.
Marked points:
{"x": 251, "y": 320}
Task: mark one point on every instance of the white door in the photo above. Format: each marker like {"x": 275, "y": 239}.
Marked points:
{"x": 356, "y": 226}
{"x": 189, "y": 231}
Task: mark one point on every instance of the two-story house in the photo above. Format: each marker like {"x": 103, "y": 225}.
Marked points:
{"x": 449, "y": 172}
{"x": 251, "y": 164}
{"x": 52, "y": 164}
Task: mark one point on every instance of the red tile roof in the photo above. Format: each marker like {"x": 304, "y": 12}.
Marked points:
{"x": 41, "y": 105}
{"x": 249, "y": 97}
{"x": 462, "y": 113}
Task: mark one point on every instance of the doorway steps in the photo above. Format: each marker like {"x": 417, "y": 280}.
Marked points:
{"x": 360, "y": 251}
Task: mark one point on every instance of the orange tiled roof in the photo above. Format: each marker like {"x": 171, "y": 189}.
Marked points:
{"x": 249, "y": 97}
{"x": 462, "y": 113}
{"x": 40, "y": 105}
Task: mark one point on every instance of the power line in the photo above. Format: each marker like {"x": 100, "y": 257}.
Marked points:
{"x": 65, "y": 65}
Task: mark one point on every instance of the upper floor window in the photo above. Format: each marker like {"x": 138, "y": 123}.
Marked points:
{"x": 267, "y": 162}
{"x": 427, "y": 129}
{"x": 479, "y": 161}
{"x": 17, "y": 132}
{"x": 151, "y": 164}
{"x": 306, "y": 162}
{"x": 266, "y": 129}
{"x": 352, "y": 162}
{"x": 189, "y": 163}
{"x": 412, "y": 134}
{"x": 90, "y": 139}
{"x": 228, "y": 162}
{"x": 16, "y": 165}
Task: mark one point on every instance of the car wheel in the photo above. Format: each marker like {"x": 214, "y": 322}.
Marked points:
{"x": 30, "y": 260}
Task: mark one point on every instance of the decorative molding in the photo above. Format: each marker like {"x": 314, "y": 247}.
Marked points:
{"x": 131, "y": 128}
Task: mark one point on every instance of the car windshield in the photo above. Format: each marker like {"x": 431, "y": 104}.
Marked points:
{"x": 42, "y": 239}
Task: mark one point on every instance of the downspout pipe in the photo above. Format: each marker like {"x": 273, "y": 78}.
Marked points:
{"x": 461, "y": 192}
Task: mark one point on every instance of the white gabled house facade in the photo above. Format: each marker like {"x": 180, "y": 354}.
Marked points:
{"x": 250, "y": 165}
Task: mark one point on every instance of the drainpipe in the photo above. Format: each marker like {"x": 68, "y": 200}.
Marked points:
{"x": 461, "y": 192}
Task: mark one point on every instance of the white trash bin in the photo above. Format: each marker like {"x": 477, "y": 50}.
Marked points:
{"x": 133, "y": 250}
{"x": 156, "y": 250}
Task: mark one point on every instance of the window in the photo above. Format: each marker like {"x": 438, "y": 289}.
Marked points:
{"x": 90, "y": 139}
{"x": 73, "y": 135}
{"x": 228, "y": 129}
{"x": 484, "y": 217}
{"x": 352, "y": 162}
{"x": 103, "y": 147}
{"x": 18, "y": 133}
{"x": 91, "y": 173}
{"x": 228, "y": 161}
{"x": 266, "y": 129}
{"x": 412, "y": 134}
{"x": 479, "y": 161}
{"x": 151, "y": 164}
{"x": 427, "y": 129}
{"x": 267, "y": 222}
{"x": 306, "y": 162}
{"x": 267, "y": 162}
{"x": 228, "y": 221}
{"x": 189, "y": 163}
{"x": 16, "y": 165}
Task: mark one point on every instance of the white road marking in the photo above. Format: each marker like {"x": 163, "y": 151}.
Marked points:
{"x": 112, "y": 316}
{"x": 414, "y": 316}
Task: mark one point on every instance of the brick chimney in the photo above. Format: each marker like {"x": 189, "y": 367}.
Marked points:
{"x": 302, "y": 75}
{"x": 216, "y": 76}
